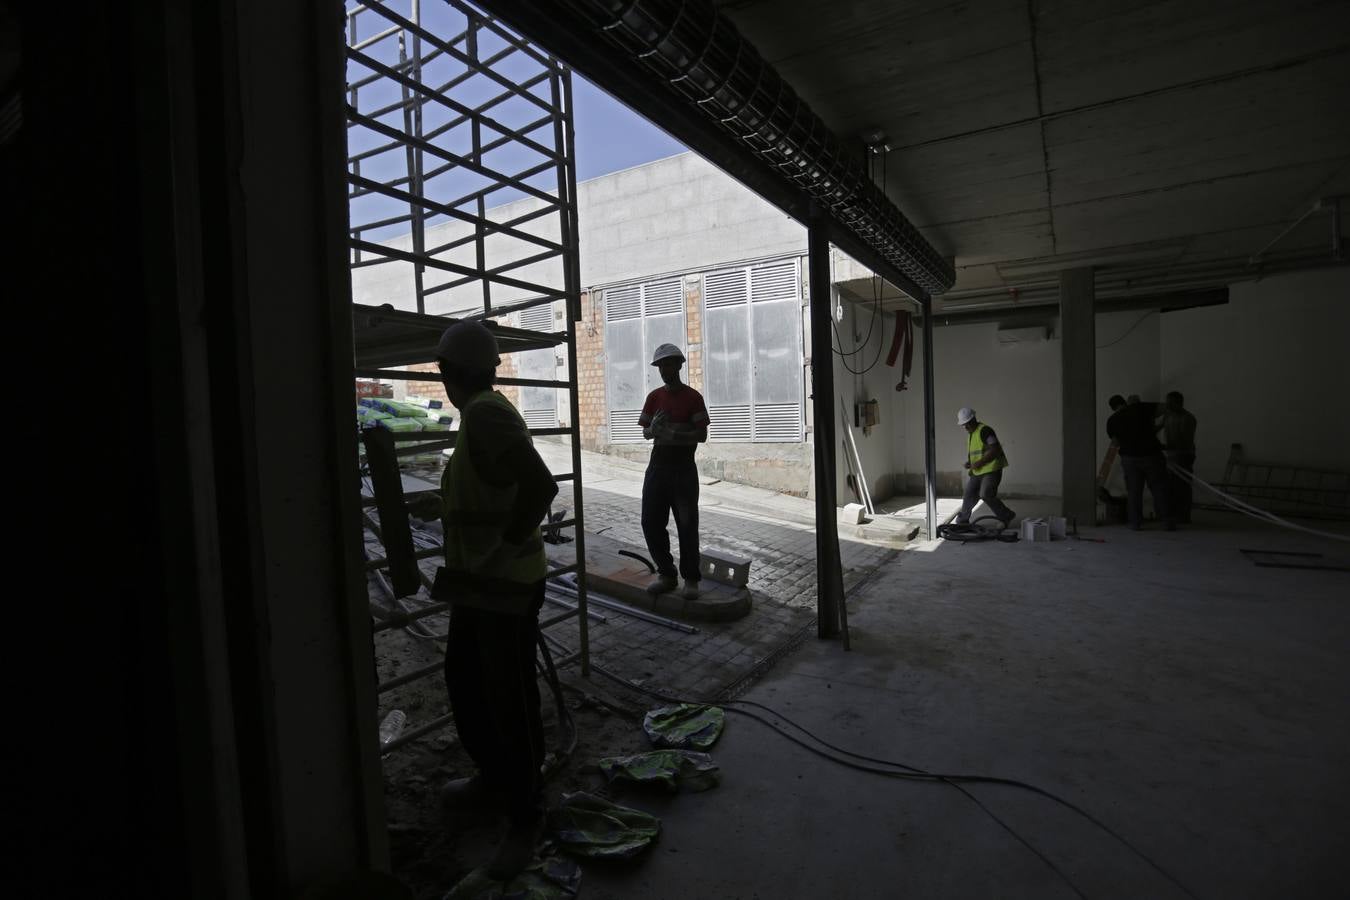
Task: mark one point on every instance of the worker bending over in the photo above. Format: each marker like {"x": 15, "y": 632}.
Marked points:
{"x": 985, "y": 461}
{"x": 675, "y": 420}
{"x": 494, "y": 493}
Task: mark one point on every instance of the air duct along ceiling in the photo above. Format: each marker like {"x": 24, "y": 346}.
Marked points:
{"x": 690, "y": 50}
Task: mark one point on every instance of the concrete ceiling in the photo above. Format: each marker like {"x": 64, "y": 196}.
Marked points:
{"x": 1163, "y": 141}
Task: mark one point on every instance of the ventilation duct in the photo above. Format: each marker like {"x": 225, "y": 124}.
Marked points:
{"x": 692, "y": 50}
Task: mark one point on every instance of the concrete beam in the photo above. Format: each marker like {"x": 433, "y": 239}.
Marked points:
{"x": 1078, "y": 378}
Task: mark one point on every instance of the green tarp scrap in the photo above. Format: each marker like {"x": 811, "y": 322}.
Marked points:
{"x": 688, "y": 726}
{"x": 674, "y": 770}
{"x": 586, "y": 825}
{"x": 549, "y": 878}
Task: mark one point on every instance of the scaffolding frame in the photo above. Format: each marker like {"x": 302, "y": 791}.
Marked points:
{"x": 515, "y": 139}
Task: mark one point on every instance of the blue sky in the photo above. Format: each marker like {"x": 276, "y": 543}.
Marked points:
{"x": 610, "y": 136}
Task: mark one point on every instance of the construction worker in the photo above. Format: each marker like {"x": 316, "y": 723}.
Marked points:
{"x": 675, "y": 420}
{"x": 494, "y": 492}
{"x": 1177, "y": 425}
{"x": 985, "y": 461}
{"x": 1141, "y": 458}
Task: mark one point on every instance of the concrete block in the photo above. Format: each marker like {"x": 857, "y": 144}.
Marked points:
{"x": 852, "y": 514}
{"x": 728, "y": 568}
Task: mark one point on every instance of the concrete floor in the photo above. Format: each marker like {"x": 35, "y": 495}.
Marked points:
{"x": 1194, "y": 702}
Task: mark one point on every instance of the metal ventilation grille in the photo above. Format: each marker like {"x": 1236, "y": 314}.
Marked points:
{"x": 778, "y": 423}
{"x": 724, "y": 288}
{"x": 540, "y": 318}
{"x": 624, "y": 427}
{"x": 623, "y": 303}
{"x": 775, "y": 282}
{"x": 664, "y": 297}
{"x": 730, "y": 423}
{"x": 541, "y": 418}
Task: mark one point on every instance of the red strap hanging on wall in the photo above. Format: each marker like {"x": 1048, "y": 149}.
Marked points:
{"x": 903, "y": 339}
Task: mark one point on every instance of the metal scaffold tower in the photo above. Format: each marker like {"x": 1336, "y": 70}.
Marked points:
{"x": 462, "y": 196}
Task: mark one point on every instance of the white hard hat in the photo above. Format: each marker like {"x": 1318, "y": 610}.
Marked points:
{"x": 666, "y": 351}
{"x": 964, "y": 415}
{"x": 470, "y": 346}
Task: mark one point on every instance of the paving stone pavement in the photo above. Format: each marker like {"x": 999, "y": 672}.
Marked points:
{"x": 720, "y": 657}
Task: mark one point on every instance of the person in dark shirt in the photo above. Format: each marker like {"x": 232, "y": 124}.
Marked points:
{"x": 675, "y": 419}
{"x": 1131, "y": 430}
{"x": 1177, "y": 425}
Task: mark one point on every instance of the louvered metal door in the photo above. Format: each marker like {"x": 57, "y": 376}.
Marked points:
{"x": 752, "y": 351}
{"x": 538, "y": 405}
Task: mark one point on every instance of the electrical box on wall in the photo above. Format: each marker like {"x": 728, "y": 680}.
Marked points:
{"x": 866, "y": 414}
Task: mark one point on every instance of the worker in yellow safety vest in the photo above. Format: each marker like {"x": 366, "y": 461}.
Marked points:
{"x": 494, "y": 493}
{"x": 985, "y": 462}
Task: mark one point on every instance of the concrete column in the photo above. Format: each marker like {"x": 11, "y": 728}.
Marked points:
{"x": 1078, "y": 377}
{"x": 829, "y": 571}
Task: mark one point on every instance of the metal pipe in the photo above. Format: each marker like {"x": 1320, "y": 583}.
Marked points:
{"x": 929, "y": 428}
{"x": 633, "y": 611}
{"x": 559, "y": 601}
{"x": 409, "y": 677}
{"x": 1256, "y": 257}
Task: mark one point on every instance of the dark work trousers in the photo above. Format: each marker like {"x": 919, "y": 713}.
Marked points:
{"x": 667, "y": 489}
{"x": 1153, "y": 471}
{"x": 489, "y": 671}
{"x": 983, "y": 487}
{"x": 1180, "y": 488}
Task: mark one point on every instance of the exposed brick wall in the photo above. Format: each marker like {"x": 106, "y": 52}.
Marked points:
{"x": 693, "y": 316}
{"x": 433, "y": 389}
{"x": 591, "y": 370}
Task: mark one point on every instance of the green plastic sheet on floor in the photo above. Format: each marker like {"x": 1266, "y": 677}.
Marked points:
{"x": 673, "y": 770}
{"x": 688, "y": 726}
{"x": 547, "y": 878}
{"x": 589, "y": 826}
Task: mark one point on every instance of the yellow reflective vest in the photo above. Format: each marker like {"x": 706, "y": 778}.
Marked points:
{"x": 975, "y": 449}
{"x": 482, "y": 569}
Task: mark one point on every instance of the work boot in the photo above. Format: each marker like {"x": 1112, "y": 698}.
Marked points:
{"x": 662, "y": 584}
{"x": 690, "y": 591}
{"x": 515, "y": 851}
{"x": 1008, "y": 521}
{"x": 467, "y": 794}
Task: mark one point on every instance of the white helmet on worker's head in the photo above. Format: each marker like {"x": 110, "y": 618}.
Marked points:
{"x": 965, "y": 415}
{"x": 666, "y": 351}
{"x": 468, "y": 345}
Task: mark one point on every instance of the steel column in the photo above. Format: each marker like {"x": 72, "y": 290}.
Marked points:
{"x": 829, "y": 570}
{"x": 929, "y": 427}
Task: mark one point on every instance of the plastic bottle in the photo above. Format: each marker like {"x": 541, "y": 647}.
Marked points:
{"x": 391, "y": 727}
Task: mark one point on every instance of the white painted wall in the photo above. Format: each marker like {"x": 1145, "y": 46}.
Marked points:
{"x": 878, "y": 450}
{"x": 1255, "y": 371}
{"x": 1267, "y": 371}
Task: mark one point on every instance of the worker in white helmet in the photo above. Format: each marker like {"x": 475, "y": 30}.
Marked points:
{"x": 675, "y": 420}
{"x": 985, "y": 462}
{"x": 495, "y": 491}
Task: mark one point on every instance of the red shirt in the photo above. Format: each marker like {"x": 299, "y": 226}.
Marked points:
{"x": 682, "y": 407}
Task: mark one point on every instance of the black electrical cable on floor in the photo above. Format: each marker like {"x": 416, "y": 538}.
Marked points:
{"x": 916, "y": 774}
